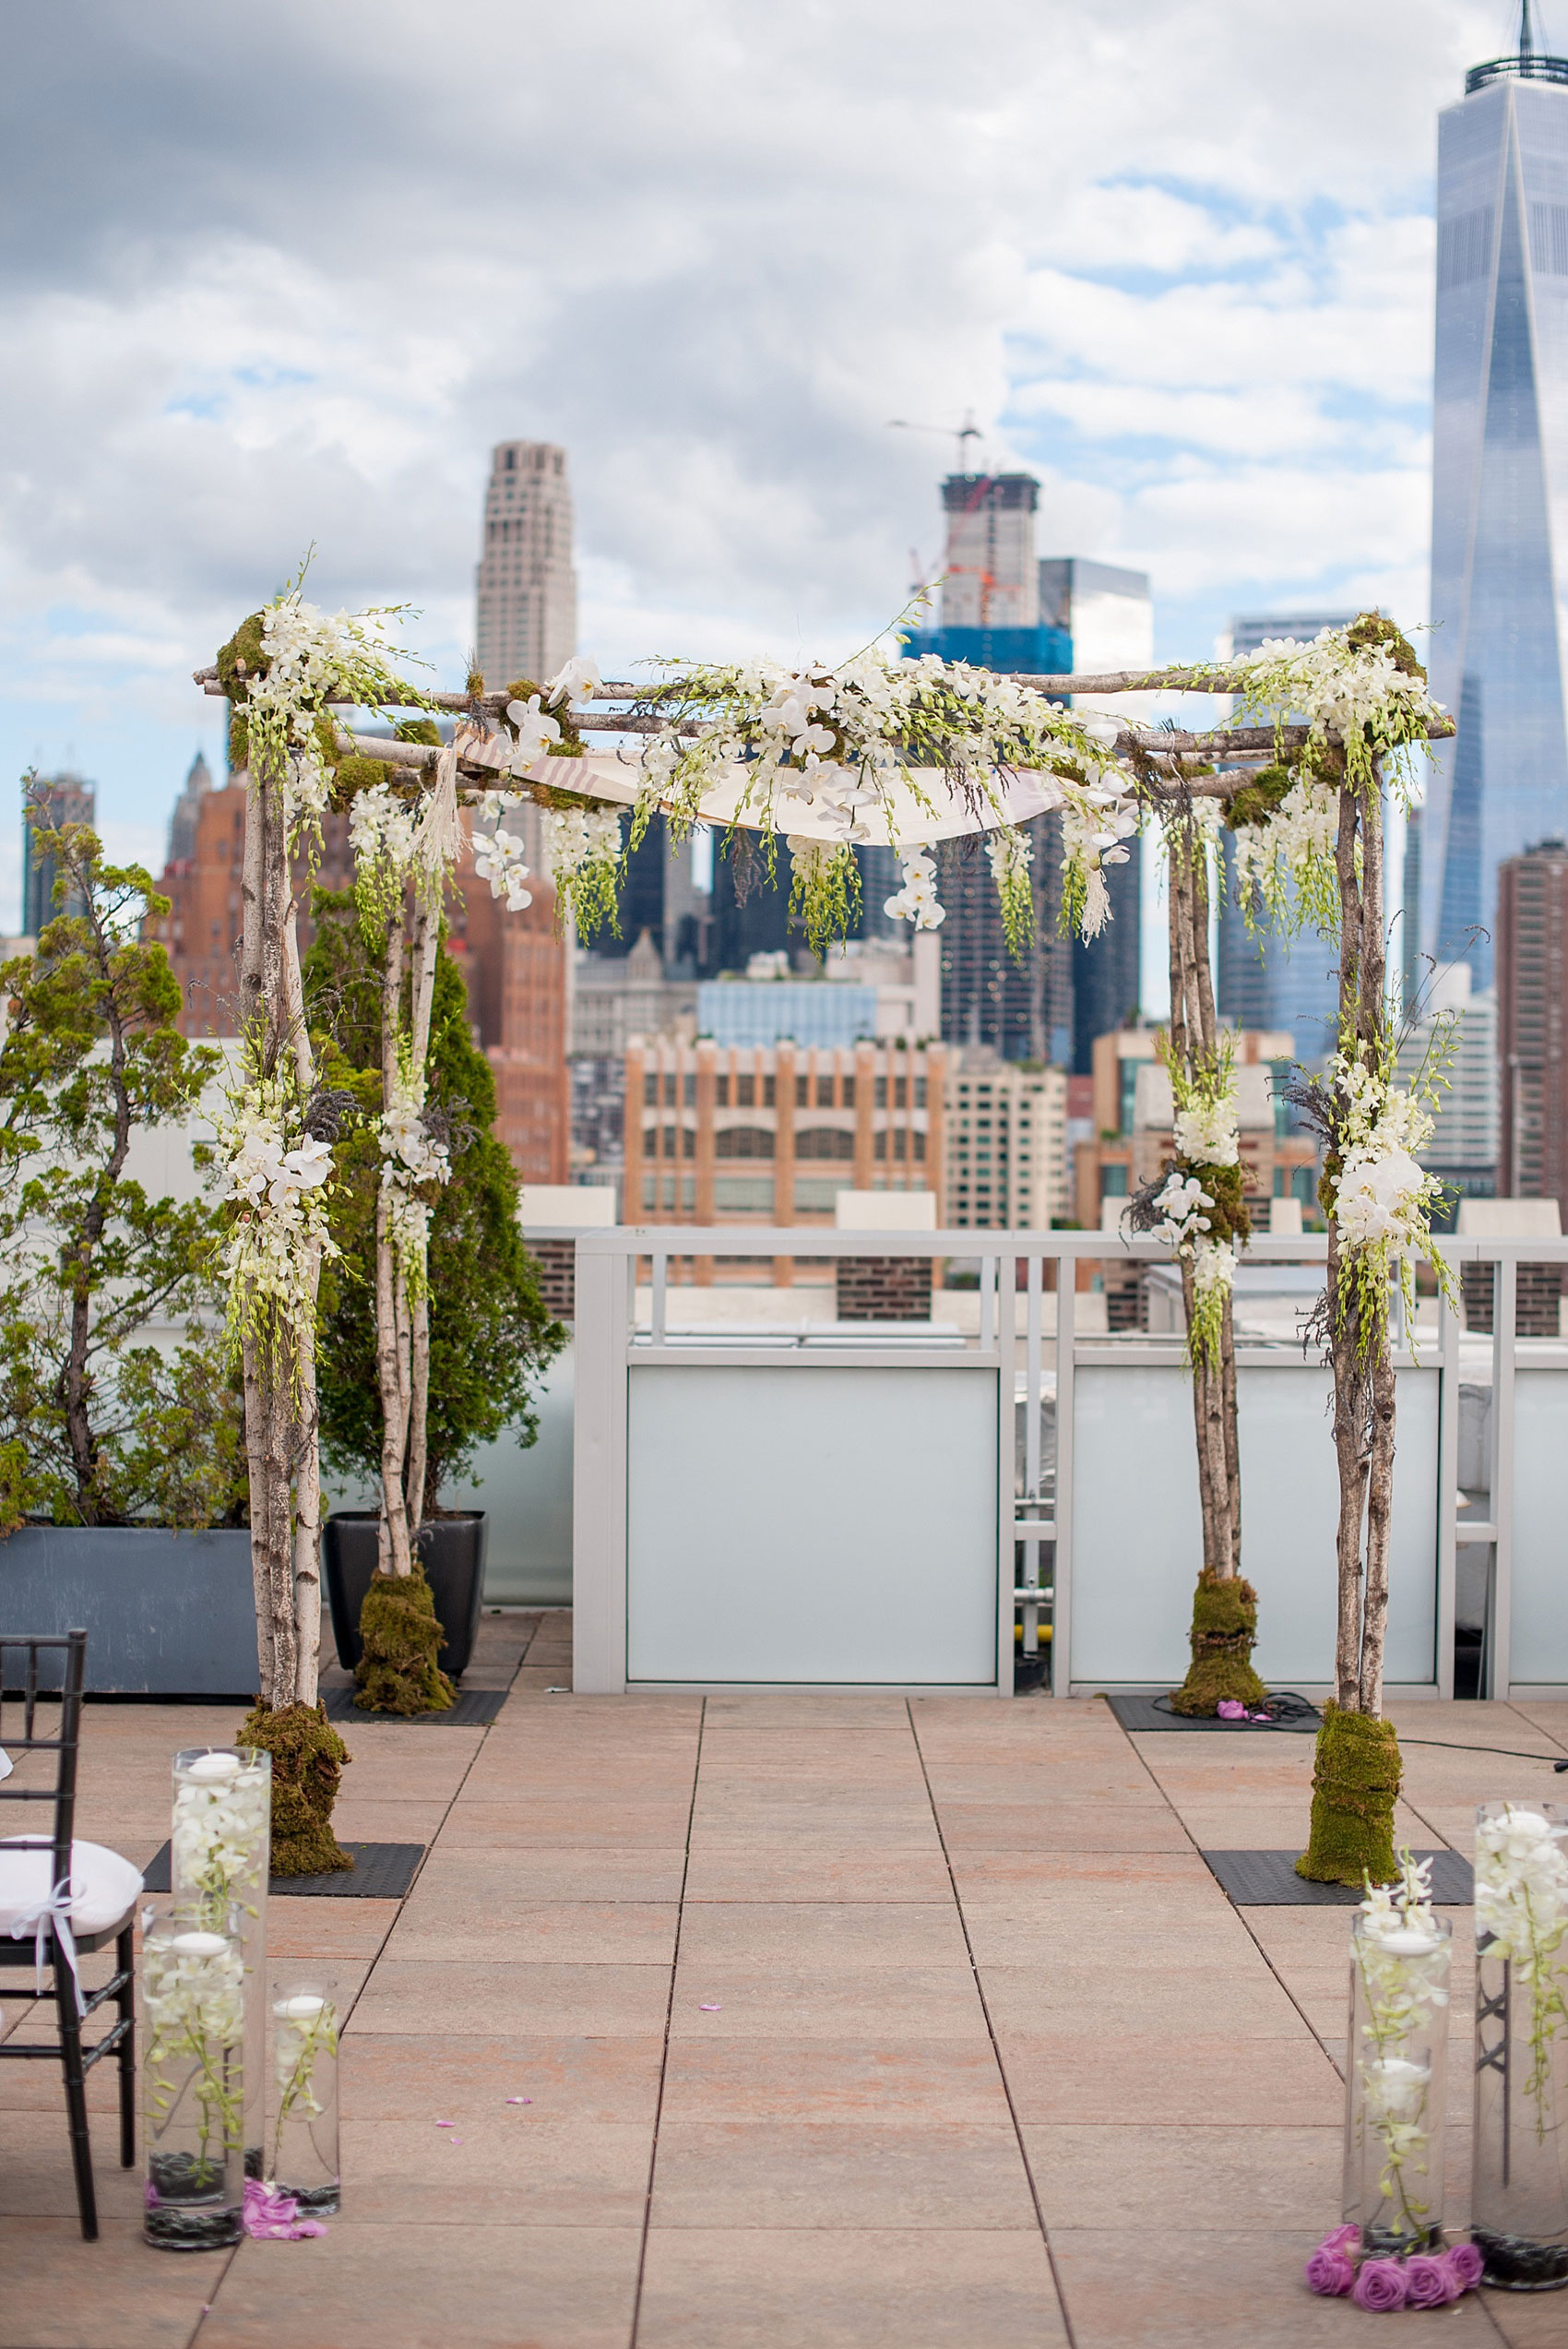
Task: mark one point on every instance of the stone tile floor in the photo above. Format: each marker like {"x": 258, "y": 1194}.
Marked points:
{"x": 845, "y": 2020}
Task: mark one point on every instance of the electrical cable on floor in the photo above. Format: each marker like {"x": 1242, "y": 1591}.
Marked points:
{"x": 1512, "y": 1752}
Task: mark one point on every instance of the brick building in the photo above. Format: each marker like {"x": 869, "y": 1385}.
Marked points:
{"x": 771, "y": 1134}
{"x": 1134, "y": 1117}
{"x": 1532, "y": 999}
{"x": 513, "y": 966}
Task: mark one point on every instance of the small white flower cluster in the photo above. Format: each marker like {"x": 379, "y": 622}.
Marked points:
{"x": 917, "y": 901}
{"x": 536, "y": 733}
{"x": 1383, "y": 1194}
{"x": 1214, "y": 1273}
{"x": 278, "y": 1192}
{"x": 1338, "y": 689}
{"x": 577, "y": 836}
{"x": 312, "y": 658}
{"x": 382, "y": 827}
{"x": 1522, "y": 1886}
{"x": 500, "y": 856}
{"x": 1301, "y": 833}
{"x": 1092, "y": 832}
{"x": 1010, "y": 853}
{"x": 1207, "y": 1133}
{"x": 840, "y": 741}
{"x": 1181, "y": 1200}
{"x": 413, "y": 1165}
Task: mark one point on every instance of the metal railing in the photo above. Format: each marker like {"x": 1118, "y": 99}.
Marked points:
{"x": 1027, "y": 1338}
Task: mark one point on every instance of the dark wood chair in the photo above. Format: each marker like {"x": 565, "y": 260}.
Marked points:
{"x": 61, "y": 1899}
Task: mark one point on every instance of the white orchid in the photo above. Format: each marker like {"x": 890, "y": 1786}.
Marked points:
{"x": 917, "y": 901}
{"x": 1207, "y": 1133}
{"x": 580, "y": 674}
{"x": 499, "y": 858}
{"x": 536, "y": 733}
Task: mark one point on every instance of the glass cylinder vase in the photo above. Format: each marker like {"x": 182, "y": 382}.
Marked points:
{"x": 193, "y": 2021}
{"x": 302, "y": 2141}
{"x": 1519, "y": 2191}
{"x": 221, "y": 1852}
{"x": 1394, "y": 2076}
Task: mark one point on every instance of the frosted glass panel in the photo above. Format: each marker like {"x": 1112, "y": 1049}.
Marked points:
{"x": 1540, "y": 1527}
{"x": 1136, "y": 1541}
{"x": 812, "y": 1525}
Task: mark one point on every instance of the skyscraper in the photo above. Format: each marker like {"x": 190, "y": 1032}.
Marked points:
{"x": 527, "y": 624}
{"x": 187, "y": 816}
{"x": 1499, "y": 490}
{"x": 48, "y": 802}
{"x": 1262, "y": 979}
{"x": 991, "y": 586}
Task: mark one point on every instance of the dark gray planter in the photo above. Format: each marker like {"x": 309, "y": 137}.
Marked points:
{"x": 452, "y": 1549}
{"x": 166, "y": 1614}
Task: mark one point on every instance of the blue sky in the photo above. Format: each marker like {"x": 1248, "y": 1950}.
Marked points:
{"x": 1177, "y": 258}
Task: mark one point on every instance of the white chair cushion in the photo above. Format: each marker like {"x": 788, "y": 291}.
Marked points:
{"x": 103, "y": 1886}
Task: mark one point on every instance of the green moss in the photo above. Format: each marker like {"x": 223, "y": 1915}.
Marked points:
{"x": 1256, "y": 802}
{"x": 239, "y": 743}
{"x": 1225, "y": 1624}
{"x": 307, "y": 1767}
{"x": 242, "y": 658}
{"x": 397, "y": 1673}
{"x": 1355, "y": 1786}
{"x": 1226, "y": 1185}
{"x": 1370, "y": 627}
{"x": 421, "y": 730}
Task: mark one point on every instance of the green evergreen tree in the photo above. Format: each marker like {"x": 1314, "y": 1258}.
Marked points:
{"x": 490, "y": 1334}
{"x": 95, "y": 1429}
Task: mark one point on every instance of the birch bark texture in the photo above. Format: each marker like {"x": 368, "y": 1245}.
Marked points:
{"x": 280, "y": 1400}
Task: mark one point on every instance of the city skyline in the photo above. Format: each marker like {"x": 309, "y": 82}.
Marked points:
{"x": 1204, "y": 324}
{"x": 1500, "y": 496}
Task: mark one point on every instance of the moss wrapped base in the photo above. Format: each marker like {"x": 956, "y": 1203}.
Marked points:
{"x": 397, "y": 1672}
{"x": 307, "y": 1768}
{"x": 1355, "y": 1786}
{"x": 1225, "y": 1624}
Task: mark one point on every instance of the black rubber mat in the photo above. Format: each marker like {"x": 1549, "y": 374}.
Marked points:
{"x": 471, "y": 1709}
{"x": 1140, "y": 1712}
{"x": 1268, "y": 1880}
{"x": 381, "y": 1872}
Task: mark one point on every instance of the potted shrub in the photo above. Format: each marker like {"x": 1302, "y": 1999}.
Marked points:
{"x": 122, "y": 1465}
{"x": 489, "y": 1333}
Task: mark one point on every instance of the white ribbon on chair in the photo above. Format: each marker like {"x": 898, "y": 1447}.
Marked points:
{"x": 56, "y": 1910}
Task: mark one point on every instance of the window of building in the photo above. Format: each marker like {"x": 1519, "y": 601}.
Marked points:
{"x": 1113, "y": 1180}
{"x": 671, "y": 1094}
{"x": 824, "y": 1141}
{"x": 768, "y": 1092}
{"x": 744, "y": 1141}
{"x": 825, "y": 1092}
{"x": 650, "y": 1089}
{"x": 803, "y": 1092}
{"x": 721, "y": 1092}
{"x": 882, "y": 1092}
{"x": 900, "y": 1092}
{"x": 745, "y": 1093}
{"x": 689, "y": 1089}
{"x": 848, "y": 1097}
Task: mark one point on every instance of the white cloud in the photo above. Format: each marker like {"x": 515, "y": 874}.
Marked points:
{"x": 270, "y": 291}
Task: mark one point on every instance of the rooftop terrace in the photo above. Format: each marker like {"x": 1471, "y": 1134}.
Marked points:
{"x": 845, "y": 2020}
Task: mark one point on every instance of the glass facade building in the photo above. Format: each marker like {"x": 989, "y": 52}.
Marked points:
{"x": 1500, "y": 494}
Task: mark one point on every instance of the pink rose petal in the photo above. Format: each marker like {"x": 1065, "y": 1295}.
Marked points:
{"x": 519, "y": 2100}
{"x": 445, "y": 2123}
{"x": 710, "y": 2010}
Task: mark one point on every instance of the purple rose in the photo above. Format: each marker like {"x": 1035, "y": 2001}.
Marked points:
{"x": 1465, "y": 2265}
{"x": 1229, "y": 1708}
{"x": 1343, "y": 2238}
{"x": 1330, "y": 2271}
{"x": 1379, "y": 2286}
{"x": 1429, "y": 2280}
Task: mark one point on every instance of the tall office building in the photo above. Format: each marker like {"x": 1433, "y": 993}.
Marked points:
{"x": 989, "y": 610}
{"x": 1499, "y": 490}
{"x": 527, "y": 589}
{"x": 1462, "y": 1149}
{"x": 1263, "y": 980}
{"x": 48, "y": 802}
{"x": 187, "y": 816}
{"x": 1532, "y": 1021}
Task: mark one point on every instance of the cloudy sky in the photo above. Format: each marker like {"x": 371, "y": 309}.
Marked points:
{"x": 278, "y": 275}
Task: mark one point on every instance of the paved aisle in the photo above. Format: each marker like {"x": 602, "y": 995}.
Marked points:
{"x": 843, "y": 2021}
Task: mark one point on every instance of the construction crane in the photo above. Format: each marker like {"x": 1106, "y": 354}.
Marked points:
{"x": 969, "y": 430}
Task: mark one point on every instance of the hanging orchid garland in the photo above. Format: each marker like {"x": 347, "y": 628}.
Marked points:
{"x": 277, "y": 1180}
{"x": 1199, "y": 1209}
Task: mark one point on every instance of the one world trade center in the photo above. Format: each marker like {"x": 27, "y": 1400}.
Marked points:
{"x": 1500, "y": 492}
